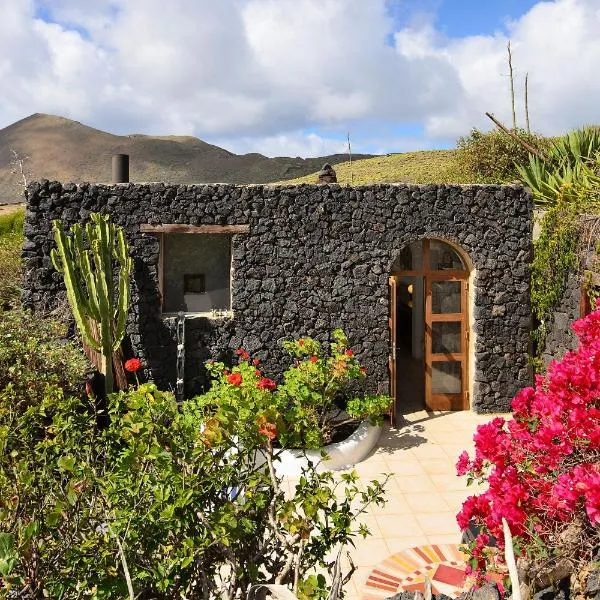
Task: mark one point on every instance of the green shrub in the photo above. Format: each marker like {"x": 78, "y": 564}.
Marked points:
{"x": 33, "y": 354}
{"x": 490, "y": 157}
{"x": 157, "y": 494}
{"x": 11, "y": 242}
{"x": 12, "y": 222}
{"x": 10, "y": 268}
{"x": 313, "y": 401}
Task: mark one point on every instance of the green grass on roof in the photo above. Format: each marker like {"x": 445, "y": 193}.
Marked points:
{"x": 426, "y": 166}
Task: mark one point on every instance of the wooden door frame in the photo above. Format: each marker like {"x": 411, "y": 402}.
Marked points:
{"x": 428, "y": 276}
{"x": 393, "y": 291}
{"x": 447, "y": 401}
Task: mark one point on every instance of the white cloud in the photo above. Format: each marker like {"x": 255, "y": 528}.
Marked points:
{"x": 258, "y": 74}
{"x": 557, "y": 43}
{"x": 292, "y": 143}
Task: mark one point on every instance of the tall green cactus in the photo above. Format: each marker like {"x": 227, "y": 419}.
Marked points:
{"x": 88, "y": 276}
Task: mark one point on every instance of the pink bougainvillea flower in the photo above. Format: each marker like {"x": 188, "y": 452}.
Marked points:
{"x": 541, "y": 466}
{"x": 462, "y": 464}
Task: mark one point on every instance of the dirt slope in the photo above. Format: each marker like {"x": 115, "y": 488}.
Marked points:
{"x": 65, "y": 150}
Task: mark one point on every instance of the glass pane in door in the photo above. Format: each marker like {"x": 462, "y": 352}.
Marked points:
{"x": 443, "y": 257}
{"x": 446, "y": 377}
{"x": 446, "y": 297}
{"x": 445, "y": 337}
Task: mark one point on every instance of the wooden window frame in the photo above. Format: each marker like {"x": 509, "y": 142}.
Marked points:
{"x": 168, "y": 228}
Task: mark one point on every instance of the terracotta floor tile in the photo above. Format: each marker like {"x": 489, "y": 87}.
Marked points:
{"x": 438, "y": 466}
{"x": 359, "y": 578}
{"x": 411, "y": 484}
{"x": 426, "y": 502}
{"x": 442, "y": 523}
{"x": 429, "y": 451}
{"x": 370, "y": 468}
{"x": 449, "y": 483}
{"x": 370, "y": 521}
{"x": 399, "y": 544}
{"x": 369, "y": 552}
{"x": 393, "y": 526}
{"x": 455, "y": 499}
{"x": 453, "y": 451}
{"x": 406, "y": 467}
{"x": 444, "y": 538}
{"x": 396, "y": 505}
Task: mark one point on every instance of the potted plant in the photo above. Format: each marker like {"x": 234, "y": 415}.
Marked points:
{"x": 312, "y": 414}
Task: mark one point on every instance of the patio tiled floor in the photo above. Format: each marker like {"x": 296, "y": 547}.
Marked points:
{"x": 424, "y": 494}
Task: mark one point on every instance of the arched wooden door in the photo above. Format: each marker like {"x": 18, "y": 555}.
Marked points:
{"x": 430, "y": 280}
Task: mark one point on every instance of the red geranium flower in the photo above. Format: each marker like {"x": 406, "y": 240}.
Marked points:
{"x": 267, "y": 429}
{"x": 256, "y": 361}
{"x": 300, "y": 342}
{"x": 242, "y": 354}
{"x": 313, "y": 359}
{"x": 363, "y": 369}
{"x": 235, "y": 379}
{"x": 133, "y": 364}
{"x": 266, "y": 384}
{"x": 349, "y": 352}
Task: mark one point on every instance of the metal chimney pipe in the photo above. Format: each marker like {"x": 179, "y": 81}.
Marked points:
{"x": 120, "y": 168}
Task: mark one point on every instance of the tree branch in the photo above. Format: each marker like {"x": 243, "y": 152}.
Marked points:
{"x": 523, "y": 143}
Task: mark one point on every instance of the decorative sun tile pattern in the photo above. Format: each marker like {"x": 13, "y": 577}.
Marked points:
{"x": 444, "y": 564}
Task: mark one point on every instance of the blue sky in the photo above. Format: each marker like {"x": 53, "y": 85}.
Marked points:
{"x": 293, "y": 77}
{"x": 461, "y": 18}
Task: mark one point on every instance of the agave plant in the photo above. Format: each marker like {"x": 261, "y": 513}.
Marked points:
{"x": 580, "y": 145}
{"x": 570, "y": 172}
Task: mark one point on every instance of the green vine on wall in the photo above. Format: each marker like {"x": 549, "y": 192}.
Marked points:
{"x": 555, "y": 256}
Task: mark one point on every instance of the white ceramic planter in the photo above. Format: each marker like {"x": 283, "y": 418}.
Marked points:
{"x": 340, "y": 455}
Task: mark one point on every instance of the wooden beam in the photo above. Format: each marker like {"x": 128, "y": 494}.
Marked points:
{"x": 182, "y": 228}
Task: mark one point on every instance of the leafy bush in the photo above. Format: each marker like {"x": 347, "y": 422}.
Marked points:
{"x": 12, "y": 222}
{"x": 33, "y": 354}
{"x": 11, "y": 242}
{"x": 542, "y": 466}
{"x": 161, "y": 498}
{"x": 491, "y": 157}
{"x": 305, "y": 407}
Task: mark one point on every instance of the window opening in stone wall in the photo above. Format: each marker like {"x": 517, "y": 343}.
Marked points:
{"x": 196, "y": 272}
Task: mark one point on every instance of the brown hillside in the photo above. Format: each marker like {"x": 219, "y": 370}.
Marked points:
{"x": 64, "y": 150}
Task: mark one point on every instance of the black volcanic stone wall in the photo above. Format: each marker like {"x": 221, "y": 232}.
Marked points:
{"x": 316, "y": 258}
{"x": 560, "y": 336}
